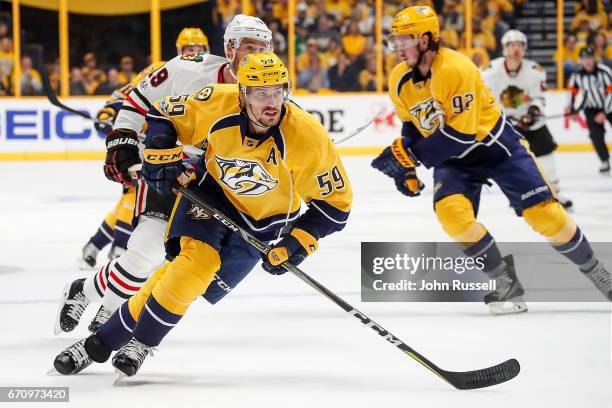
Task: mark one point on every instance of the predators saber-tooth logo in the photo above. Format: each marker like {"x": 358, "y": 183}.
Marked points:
{"x": 197, "y": 213}
{"x": 430, "y": 115}
{"x": 245, "y": 177}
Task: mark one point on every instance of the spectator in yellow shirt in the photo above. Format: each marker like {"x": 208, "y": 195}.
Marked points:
{"x": 367, "y": 76}
{"x": 353, "y": 41}
{"x": 313, "y": 76}
{"x": 127, "y": 70}
{"x": 448, "y": 36}
{"x": 305, "y": 60}
{"x": 30, "y": 81}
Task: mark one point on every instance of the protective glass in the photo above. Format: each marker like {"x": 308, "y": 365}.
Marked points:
{"x": 401, "y": 42}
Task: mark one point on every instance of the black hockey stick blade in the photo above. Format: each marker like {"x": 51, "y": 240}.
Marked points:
{"x": 52, "y": 97}
{"x": 486, "y": 377}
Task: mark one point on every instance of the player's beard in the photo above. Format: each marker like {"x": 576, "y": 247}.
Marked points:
{"x": 265, "y": 117}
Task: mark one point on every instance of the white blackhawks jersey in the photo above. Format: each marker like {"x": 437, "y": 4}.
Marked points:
{"x": 182, "y": 75}
{"x": 517, "y": 92}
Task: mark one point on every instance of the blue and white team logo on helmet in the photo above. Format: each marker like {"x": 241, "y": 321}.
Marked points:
{"x": 245, "y": 177}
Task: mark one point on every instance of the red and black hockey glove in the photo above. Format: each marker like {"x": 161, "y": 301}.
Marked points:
{"x": 121, "y": 154}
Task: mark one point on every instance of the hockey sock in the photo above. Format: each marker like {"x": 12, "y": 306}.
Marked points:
{"x": 94, "y": 286}
{"x": 551, "y": 220}
{"x": 154, "y": 323}
{"x": 128, "y": 272}
{"x": 125, "y": 278}
{"x": 578, "y": 250}
{"x": 486, "y": 249}
{"x": 103, "y": 236}
{"x": 117, "y": 331}
{"x": 122, "y": 234}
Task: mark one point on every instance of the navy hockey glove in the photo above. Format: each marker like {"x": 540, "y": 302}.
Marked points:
{"x": 162, "y": 167}
{"x": 105, "y": 120}
{"x": 121, "y": 154}
{"x": 398, "y": 162}
{"x": 294, "y": 247}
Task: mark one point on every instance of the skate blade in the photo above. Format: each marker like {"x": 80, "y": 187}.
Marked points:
{"x": 52, "y": 371}
{"x": 58, "y": 328}
{"x": 118, "y": 377}
{"x": 507, "y": 307}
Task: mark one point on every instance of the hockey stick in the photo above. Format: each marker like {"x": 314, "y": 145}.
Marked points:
{"x": 360, "y": 129}
{"x": 462, "y": 380}
{"x": 52, "y": 97}
{"x": 574, "y": 110}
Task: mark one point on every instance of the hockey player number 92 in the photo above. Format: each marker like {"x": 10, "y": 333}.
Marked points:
{"x": 462, "y": 102}
{"x": 330, "y": 181}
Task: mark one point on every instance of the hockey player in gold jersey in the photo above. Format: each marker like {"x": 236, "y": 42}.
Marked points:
{"x": 264, "y": 156}
{"x": 451, "y": 123}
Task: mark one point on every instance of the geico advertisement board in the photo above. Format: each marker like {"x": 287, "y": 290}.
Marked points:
{"x": 34, "y": 125}
{"x": 30, "y": 125}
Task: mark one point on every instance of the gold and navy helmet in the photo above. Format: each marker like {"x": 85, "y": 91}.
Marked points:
{"x": 416, "y": 21}
{"x": 261, "y": 70}
{"x": 191, "y": 36}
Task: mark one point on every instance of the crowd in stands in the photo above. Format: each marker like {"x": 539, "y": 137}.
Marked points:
{"x": 335, "y": 43}
{"x": 592, "y": 27}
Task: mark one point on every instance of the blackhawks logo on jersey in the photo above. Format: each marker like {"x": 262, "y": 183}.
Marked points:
{"x": 512, "y": 97}
{"x": 429, "y": 114}
{"x": 245, "y": 177}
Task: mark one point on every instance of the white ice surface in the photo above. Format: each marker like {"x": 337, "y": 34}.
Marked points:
{"x": 274, "y": 342}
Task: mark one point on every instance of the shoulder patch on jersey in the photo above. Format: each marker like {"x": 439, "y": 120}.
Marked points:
{"x": 204, "y": 94}
{"x": 537, "y": 67}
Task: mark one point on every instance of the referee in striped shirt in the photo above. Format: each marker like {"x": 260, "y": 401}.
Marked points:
{"x": 595, "y": 80}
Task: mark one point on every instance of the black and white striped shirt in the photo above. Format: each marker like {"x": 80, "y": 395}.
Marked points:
{"x": 597, "y": 84}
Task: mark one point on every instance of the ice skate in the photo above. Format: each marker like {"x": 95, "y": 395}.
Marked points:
{"x": 73, "y": 304}
{"x": 604, "y": 169}
{"x": 508, "y": 296}
{"x": 73, "y": 359}
{"x": 88, "y": 256}
{"x": 128, "y": 360}
{"x": 601, "y": 278}
{"x": 101, "y": 317}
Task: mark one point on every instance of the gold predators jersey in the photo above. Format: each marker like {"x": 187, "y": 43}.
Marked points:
{"x": 264, "y": 178}
{"x": 447, "y": 112}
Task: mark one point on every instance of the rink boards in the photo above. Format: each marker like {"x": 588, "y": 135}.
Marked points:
{"x": 32, "y": 128}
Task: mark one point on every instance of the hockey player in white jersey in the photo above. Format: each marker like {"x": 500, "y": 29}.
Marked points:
{"x": 518, "y": 84}
{"x": 120, "y": 278}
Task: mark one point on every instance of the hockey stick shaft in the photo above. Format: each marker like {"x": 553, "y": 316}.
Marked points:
{"x": 460, "y": 380}
{"x": 360, "y": 129}
{"x": 52, "y": 97}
